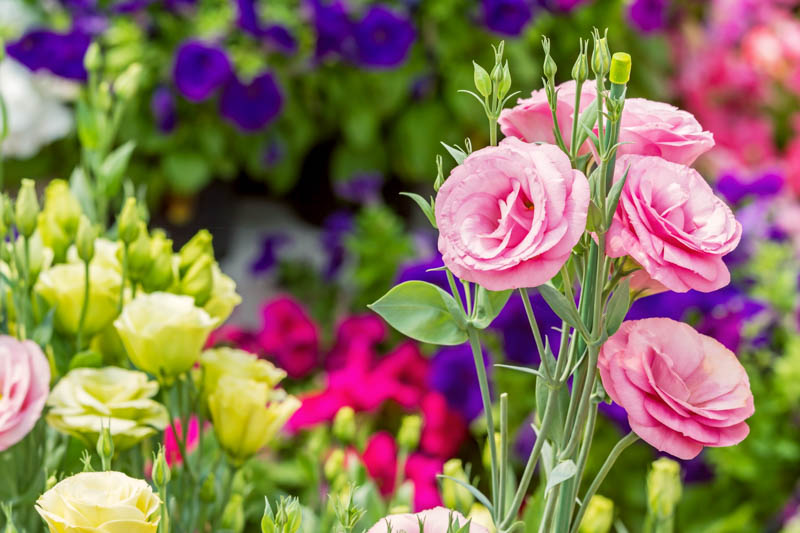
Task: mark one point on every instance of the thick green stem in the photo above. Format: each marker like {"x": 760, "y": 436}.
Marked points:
{"x": 492, "y": 131}
{"x": 483, "y": 382}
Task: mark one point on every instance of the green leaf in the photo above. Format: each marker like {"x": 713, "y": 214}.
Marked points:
{"x": 594, "y": 220}
{"x": 488, "y": 305}
{"x": 82, "y": 189}
{"x": 88, "y": 358}
{"x": 426, "y": 207}
{"x": 472, "y": 490}
{"x": 612, "y": 200}
{"x": 524, "y": 369}
{"x": 586, "y": 122}
{"x": 458, "y": 154}
{"x": 562, "y": 472}
{"x": 618, "y": 307}
{"x": 561, "y": 306}
{"x": 89, "y": 124}
{"x": 113, "y": 168}
{"x": 423, "y": 312}
{"x": 44, "y": 330}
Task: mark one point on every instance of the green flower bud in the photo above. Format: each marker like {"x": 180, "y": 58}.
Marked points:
{"x": 93, "y": 59}
{"x": 409, "y": 433}
{"x": 161, "y": 273}
{"x": 437, "y": 184}
{"x": 128, "y": 224}
{"x": 8, "y": 212}
{"x": 291, "y": 510}
{"x": 84, "y": 240}
{"x": 103, "y": 99}
{"x": 27, "y": 208}
{"x": 663, "y": 487}
{"x": 105, "y": 447}
{"x": 601, "y": 55}
{"x": 161, "y": 471}
{"x": 139, "y": 258}
{"x": 65, "y": 209}
{"x": 334, "y": 465}
{"x": 198, "y": 246}
{"x": 128, "y": 82}
{"x": 599, "y": 516}
{"x": 620, "y": 68}
{"x": 268, "y": 524}
{"x": 344, "y": 424}
{"x": 208, "y": 490}
{"x": 549, "y": 68}
{"x": 482, "y": 80}
{"x": 580, "y": 70}
{"x": 454, "y": 495}
{"x": 199, "y": 280}
{"x": 505, "y": 82}
{"x": 233, "y": 514}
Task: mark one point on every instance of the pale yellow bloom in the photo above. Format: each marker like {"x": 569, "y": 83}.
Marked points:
{"x": 224, "y": 297}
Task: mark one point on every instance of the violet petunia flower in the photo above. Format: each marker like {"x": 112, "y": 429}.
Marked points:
{"x": 268, "y": 253}
{"x": 453, "y": 375}
{"x": 333, "y": 27}
{"x": 247, "y": 17}
{"x": 362, "y": 188}
{"x": 507, "y": 17}
{"x": 248, "y": 20}
{"x": 281, "y": 38}
{"x": 334, "y": 230}
{"x": 648, "y": 15}
{"x": 60, "y": 53}
{"x": 251, "y": 106}
{"x": 200, "y": 69}
{"x": 162, "y": 105}
{"x": 734, "y": 189}
{"x": 383, "y": 38}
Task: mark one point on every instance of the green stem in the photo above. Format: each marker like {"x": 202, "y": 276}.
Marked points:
{"x": 504, "y": 466}
{"x": 537, "y": 336}
{"x": 573, "y": 148}
{"x": 549, "y": 509}
{"x": 492, "y": 131}
{"x": 483, "y": 382}
{"x": 84, "y": 307}
{"x": 124, "y": 277}
{"x": 626, "y": 441}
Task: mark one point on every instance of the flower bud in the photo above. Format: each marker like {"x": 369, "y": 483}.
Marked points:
{"x": 268, "y": 524}
{"x": 105, "y": 447}
{"x": 344, "y": 424}
{"x": 334, "y": 465}
{"x": 128, "y": 224}
{"x": 663, "y": 487}
{"x": 233, "y": 514}
{"x": 161, "y": 273}
{"x": 103, "y": 98}
{"x": 198, "y": 246}
{"x": 480, "y": 515}
{"x": 620, "y": 68}
{"x": 454, "y": 495}
{"x": 93, "y": 59}
{"x": 549, "y": 68}
{"x": 161, "y": 471}
{"x": 601, "y": 55}
{"x": 482, "y": 80}
{"x": 8, "y": 212}
{"x": 199, "y": 280}
{"x": 9, "y": 515}
{"x": 27, "y": 208}
{"x": 409, "y": 432}
{"x": 290, "y": 508}
{"x": 84, "y": 240}
{"x": 437, "y": 184}
{"x": 599, "y": 516}
{"x": 580, "y": 70}
{"x": 139, "y": 258}
{"x": 505, "y": 82}
{"x": 208, "y": 490}
{"x": 128, "y": 82}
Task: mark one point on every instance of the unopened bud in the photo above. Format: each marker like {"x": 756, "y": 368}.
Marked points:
{"x": 27, "y": 208}
{"x": 198, "y": 246}
{"x": 84, "y": 240}
{"x": 334, "y": 465}
{"x": 454, "y": 495}
{"x": 93, "y": 59}
{"x": 103, "y": 96}
{"x": 601, "y": 55}
{"x": 139, "y": 258}
{"x": 128, "y": 224}
{"x": 505, "y": 82}
{"x": 161, "y": 274}
{"x": 344, "y": 424}
{"x": 580, "y": 70}
{"x": 409, "y": 433}
{"x": 128, "y": 82}
{"x": 198, "y": 282}
{"x": 483, "y": 82}
{"x": 599, "y": 516}
{"x": 8, "y": 212}
{"x": 549, "y": 68}
{"x": 161, "y": 471}
{"x": 439, "y": 174}
{"x": 105, "y": 447}
{"x": 664, "y": 487}
{"x": 620, "y": 68}
{"x": 233, "y": 514}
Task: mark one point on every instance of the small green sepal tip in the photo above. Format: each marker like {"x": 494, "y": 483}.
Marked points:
{"x": 620, "y": 68}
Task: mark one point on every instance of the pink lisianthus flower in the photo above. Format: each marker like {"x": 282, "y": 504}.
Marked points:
{"x": 671, "y": 223}
{"x": 436, "y": 520}
{"x": 509, "y": 215}
{"x": 289, "y": 336}
{"x": 24, "y": 386}
{"x": 444, "y": 429}
{"x": 172, "y": 452}
{"x": 682, "y": 390}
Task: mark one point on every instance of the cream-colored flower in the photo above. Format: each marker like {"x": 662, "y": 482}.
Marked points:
{"x": 62, "y": 286}
{"x": 106, "y": 254}
{"x": 100, "y": 502}
{"x": 164, "y": 333}
{"x": 224, "y": 297}
{"x": 226, "y": 361}
{"x": 247, "y": 415}
{"x": 89, "y": 399}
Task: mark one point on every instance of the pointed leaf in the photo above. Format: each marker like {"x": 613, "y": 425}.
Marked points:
{"x": 423, "y": 312}
{"x": 586, "y": 122}
{"x": 561, "y": 306}
{"x": 82, "y": 189}
{"x": 426, "y": 207}
{"x": 488, "y": 305}
{"x": 44, "y": 330}
{"x": 618, "y": 307}
{"x": 524, "y": 369}
{"x": 562, "y": 472}
{"x": 612, "y": 200}
{"x": 458, "y": 154}
{"x": 472, "y": 490}
{"x": 113, "y": 168}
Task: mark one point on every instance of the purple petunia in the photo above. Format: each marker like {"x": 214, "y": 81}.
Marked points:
{"x": 162, "y": 105}
{"x": 60, "y": 53}
{"x": 248, "y": 20}
{"x": 507, "y": 17}
{"x": 513, "y": 326}
{"x": 648, "y": 15}
{"x": 383, "y": 38}
{"x": 333, "y": 28}
{"x": 334, "y": 230}
{"x": 735, "y": 189}
{"x": 452, "y": 373}
{"x": 268, "y": 254}
{"x": 363, "y": 188}
{"x": 200, "y": 69}
{"x": 251, "y": 106}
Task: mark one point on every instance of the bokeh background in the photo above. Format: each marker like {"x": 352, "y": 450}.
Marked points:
{"x": 289, "y": 128}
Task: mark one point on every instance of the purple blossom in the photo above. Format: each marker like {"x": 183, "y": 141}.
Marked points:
{"x": 127, "y": 7}
{"x": 162, "y": 105}
{"x": 453, "y": 374}
{"x": 248, "y": 20}
{"x": 363, "y": 188}
{"x": 648, "y": 15}
{"x": 251, "y": 106}
{"x": 334, "y": 230}
{"x": 274, "y": 153}
{"x": 280, "y": 37}
{"x": 383, "y": 38}
{"x": 734, "y": 189}
{"x": 424, "y": 271}
{"x": 506, "y": 17}
{"x": 333, "y": 27}
{"x": 247, "y": 17}
{"x": 513, "y": 326}
{"x": 200, "y": 69}
{"x": 60, "y": 53}
{"x": 268, "y": 254}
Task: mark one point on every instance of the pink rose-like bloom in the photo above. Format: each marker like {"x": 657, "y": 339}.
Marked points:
{"x": 172, "y": 451}
{"x": 436, "y": 520}
{"x": 24, "y": 385}
{"x": 682, "y": 390}
{"x": 648, "y": 127}
{"x": 671, "y": 223}
{"x": 509, "y": 215}
{"x": 289, "y": 336}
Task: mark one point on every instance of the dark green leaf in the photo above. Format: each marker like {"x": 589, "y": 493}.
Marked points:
{"x": 488, "y": 305}
{"x": 426, "y": 207}
{"x": 618, "y": 307}
{"x": 613, "y": 197}
{"x": 423, "y": 312}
